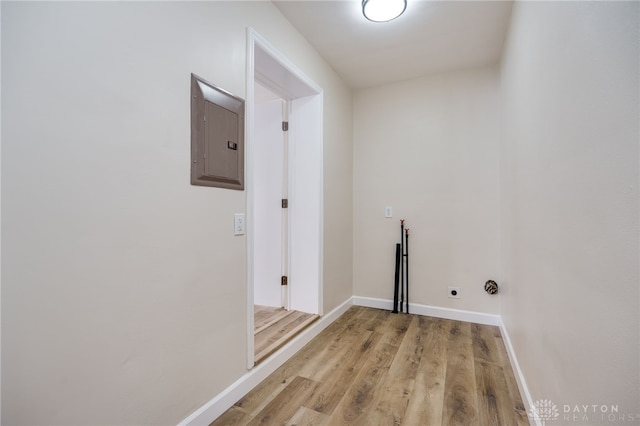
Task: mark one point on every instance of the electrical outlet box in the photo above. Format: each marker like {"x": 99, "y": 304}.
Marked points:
{"x": 454, "y": 292}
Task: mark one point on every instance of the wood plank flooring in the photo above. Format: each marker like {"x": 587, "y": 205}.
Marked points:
{"x": 372, "y": 367}
{"x": 273, "y": 327}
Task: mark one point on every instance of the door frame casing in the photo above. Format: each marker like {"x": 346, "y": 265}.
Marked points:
{"x": 281, "y": 76}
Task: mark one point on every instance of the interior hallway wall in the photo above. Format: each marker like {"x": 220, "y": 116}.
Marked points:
{"x": 429, "y": 148}
{"x": 123, "y": 287}
{"x": 570, "y": 274}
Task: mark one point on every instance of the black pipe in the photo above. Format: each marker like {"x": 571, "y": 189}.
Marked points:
{"x": 402, "y": 265}
{"x": 397, "y": 280}
{"x": 406, "y": 234}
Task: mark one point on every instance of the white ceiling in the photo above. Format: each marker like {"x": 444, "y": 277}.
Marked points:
{"x": 431, "y": 37}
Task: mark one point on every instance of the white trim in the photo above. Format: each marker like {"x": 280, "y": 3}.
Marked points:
{"x": 431, "y": 311}
{"x": 256, "y": 39}
{"x": 289, "y": 173}
{"x": 248, "y": 150}
{"x": 522, "y": 383}
{"x": 321, "y": 213}
{"x": 291, "y": 213}
{"x": 225, "y": 399}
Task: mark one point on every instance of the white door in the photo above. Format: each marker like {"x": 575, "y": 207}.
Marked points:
{"x": 270, "y": 187}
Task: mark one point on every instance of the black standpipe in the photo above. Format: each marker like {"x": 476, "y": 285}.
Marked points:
{"x": 406, "y": 236}
{"x": 402, "y": 265}
{"x": 397, "y": 279}
{"x": 401, "y": 278}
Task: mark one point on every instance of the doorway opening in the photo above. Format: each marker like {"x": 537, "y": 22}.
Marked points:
{"x": 274, "y": 322}
{"x": 284, "y": 199}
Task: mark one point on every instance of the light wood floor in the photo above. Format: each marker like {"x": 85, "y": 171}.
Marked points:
{"x": 372, "y": 367}
{"x": 273, "y": 327}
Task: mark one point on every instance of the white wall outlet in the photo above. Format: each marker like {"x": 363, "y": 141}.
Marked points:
{"x": 388, "y": 211}
{"x": 454, "y": 292}
{"x": 238, "y": 224}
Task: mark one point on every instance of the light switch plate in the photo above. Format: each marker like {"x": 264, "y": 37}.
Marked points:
{"x": 238, "y": 224}
{"x": 388, "y": 211}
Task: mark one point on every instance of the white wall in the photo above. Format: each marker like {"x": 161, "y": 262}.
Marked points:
{"x": 337, "y": 203}
{"x": 429, "y": 148}
{"x": 570, "y": 298}
{"x": 123, "y": 287}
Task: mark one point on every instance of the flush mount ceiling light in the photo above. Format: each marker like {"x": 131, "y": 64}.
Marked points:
{"x": 383, "y": 10}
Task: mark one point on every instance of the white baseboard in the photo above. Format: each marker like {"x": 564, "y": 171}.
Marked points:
{"x": 522, "y": 384}
{"x": 225, "y": 399}
{"x": 432, "y": 311}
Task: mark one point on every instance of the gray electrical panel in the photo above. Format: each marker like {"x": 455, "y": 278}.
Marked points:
{"x": 217, "y": 136}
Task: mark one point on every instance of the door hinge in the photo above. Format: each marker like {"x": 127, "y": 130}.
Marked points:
{"x": 285, "y": 126}
{"x": 284, "y": 280}
{"x": 285, "y": 203}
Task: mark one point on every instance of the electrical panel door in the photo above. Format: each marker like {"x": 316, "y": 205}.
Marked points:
{"x": 217, "y": 136}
